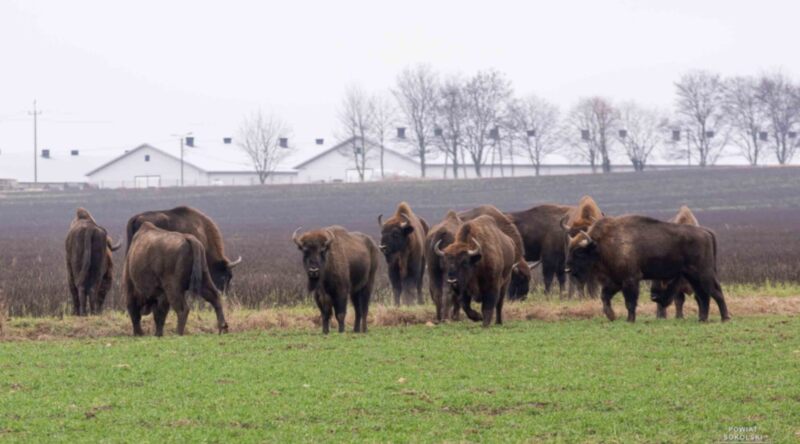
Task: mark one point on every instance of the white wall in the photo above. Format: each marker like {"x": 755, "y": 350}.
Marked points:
{"x": 246, "y": 179}
{"x": 335, "y": 166}
{"x": 123, "y": 172}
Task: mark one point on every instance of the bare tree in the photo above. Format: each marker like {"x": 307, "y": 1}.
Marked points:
{"x": 700, "y": 103}
{"x": 486, "y": 96}
{"x": 641, "y": 131}
{"x": 383, "y": 116}
{"x": 260, "y": 137}
{"x": 451, "y": 120}
{"x": 416, "y": 98}
{"x": 745, "y": 112}
{"x": 356, "y": 123}
{"x": 781, "y": 100}
{"x": 533, "y": 122}
{"x": 591, "y": 124}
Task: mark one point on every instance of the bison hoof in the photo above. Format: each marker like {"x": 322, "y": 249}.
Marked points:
{"x": 223, "y": 329}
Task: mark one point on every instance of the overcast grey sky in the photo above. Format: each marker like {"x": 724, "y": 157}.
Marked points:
{"x": 114, "y": 74}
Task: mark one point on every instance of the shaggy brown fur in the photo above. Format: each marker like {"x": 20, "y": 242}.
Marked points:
{"x": 191, "y": 221}
{"x": 89, "y": 263}
{"x": 403, "y": 245}
{"x": 161, "y": 266}
{"x": 479, "y": 265}
{"x": 521, "y": 274}
{"x": 544, "y": 239}
{"x": 579, "y": 219}
{"x": 441, "y": 234}
{"x": 622, "y": 251}
{"x": 658, "y": 289}
{"x": 339, "y": 264}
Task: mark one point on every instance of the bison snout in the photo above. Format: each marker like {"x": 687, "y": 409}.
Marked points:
{"x": 313, "y": 272}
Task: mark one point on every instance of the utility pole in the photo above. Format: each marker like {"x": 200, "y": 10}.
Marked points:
{"x": 181, "y": 161}
{"x": 35, "y": 115}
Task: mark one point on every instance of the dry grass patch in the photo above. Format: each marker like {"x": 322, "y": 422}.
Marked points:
{"x": 114, "y": 323}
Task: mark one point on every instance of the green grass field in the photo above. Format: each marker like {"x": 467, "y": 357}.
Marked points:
{"x": 570, "y": 381}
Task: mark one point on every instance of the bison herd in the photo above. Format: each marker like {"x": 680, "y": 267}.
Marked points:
{"x": 480, "y": 255}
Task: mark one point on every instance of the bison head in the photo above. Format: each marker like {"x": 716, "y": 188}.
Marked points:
{"x": 520, "y": 280}
{"x": 581, "y": 256}
{"x": 315, "y": 246}
{"x": 394, "y": 235}
{"x": 222, "y": 273}
{"x": 459, "y": 263}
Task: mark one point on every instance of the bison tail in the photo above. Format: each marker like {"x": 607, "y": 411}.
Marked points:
{"x": 86, "y": 259}
{"x": 198, "y": 266}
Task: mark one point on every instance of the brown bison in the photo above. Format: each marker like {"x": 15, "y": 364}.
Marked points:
{"x": 544, "y": 239}
{"x": 479, "y": 264}
{"x": 89, "y": 263}
{"x": 658, "y": 289}
{"x": 441, "y": 234}
{"x": 579, "y": 219}
{"x": 161, "y": 266}
{"x": 521, "y": 272}
{"x": 622, "y": 251}
{"x": 403, "y": 245}
{"x": 191, "y": 221}
{"x": 544, "y": 230}
{"x": 339, "y": 264}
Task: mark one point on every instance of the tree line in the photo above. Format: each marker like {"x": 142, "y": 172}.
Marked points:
{"x": 479, "y": 120}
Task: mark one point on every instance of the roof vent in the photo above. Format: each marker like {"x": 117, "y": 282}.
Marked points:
{"x": 73, "y": 153}
{"x": 190, "y": 141}
{"x": 46, "y": 154}
{"x": 227, "y": 140}
{"x": 283, "y": 142}
{"x": 319, "y": 141}
{"x": 401, "y": 132}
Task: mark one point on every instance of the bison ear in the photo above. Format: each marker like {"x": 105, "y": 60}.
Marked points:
{"x": 407, "y": 229}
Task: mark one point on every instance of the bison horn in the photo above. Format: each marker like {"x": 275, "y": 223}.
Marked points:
{"x": 380, "y": 220}
{"x": 295, "y": 238}
{"x": 114, "y": 247}
{"x": 330, "y": 237}
{"x": 233, "y": 264}
{"x": 532, "y": 265}
{"x": 408, "y": 221}
{"x": 438, "y": 250}
{"x": 564, "y": 224}
{"x": 477, "y": 250}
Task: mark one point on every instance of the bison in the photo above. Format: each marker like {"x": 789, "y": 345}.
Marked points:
{"x": 622, "y": 251}
{"x": 658, "y": 288}
{"x": 403, "y": 245}
{"x": 544, "y": 230}
{"x": 479, "y": 264}
{"x": 89, "y": 263}
{"x": 339, "y": 263}
{"x": 521, "y": 273}
{"x": 161, "y": 266}
{"x": 441, "y": 234}
{"x": 579, "y": 219}
{"x": 191, "y": 221}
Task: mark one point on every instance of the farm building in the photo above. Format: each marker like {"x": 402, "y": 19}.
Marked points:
{"x": 223, "y": 162}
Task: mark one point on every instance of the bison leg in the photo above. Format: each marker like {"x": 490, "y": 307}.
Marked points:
{"x": 76, "y": 302}
{"x": 135, "y": 312}
{"x": 420, "y": 279}
{"x": 548, "y": 273}
{"x": 364, "y": 302}
{"x": 608, "y": 294}
{"x": 701, "y": 293}
{"x": 466, "y": 303}
{"x": 435, "y": 288}
{"x": 81, "y": 300}
{"x": 213, "y": 298}
{"x": 661, "y": 310}
{"x": 325, "y": 311}
{"x": 680, "y": 298}
{"x": 182, "y": 310}
{"x": 160, "y": 314}
{"x": 499, "y": 308}
{"x": 340, "y": 307}
{"x": 487, "y": 309}
{"x": 631, "y": 293}
{"x": 397, "y": 284}
{"x": 719, "y": 298}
